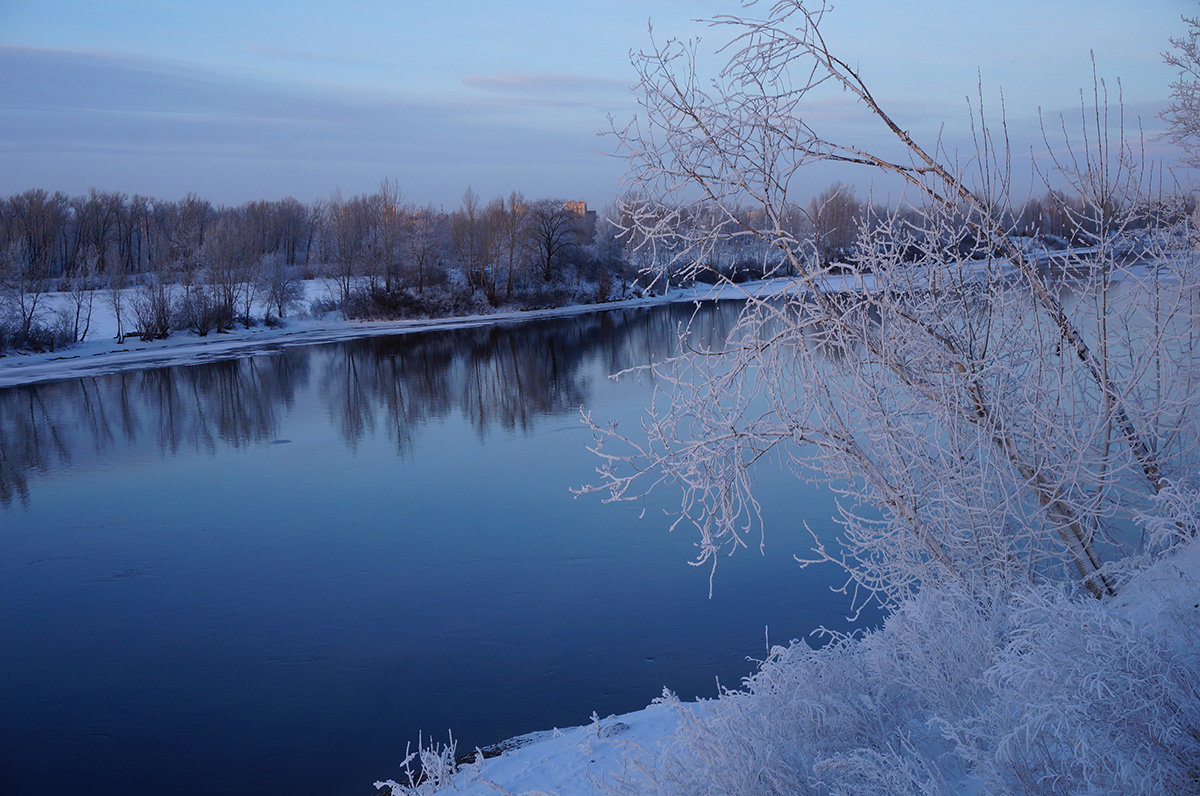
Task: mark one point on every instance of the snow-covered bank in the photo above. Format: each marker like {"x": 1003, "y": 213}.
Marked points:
{"x": 577, "y": 760}
{"x": 100, "y": 354}
{"x": 1066, "y": 692}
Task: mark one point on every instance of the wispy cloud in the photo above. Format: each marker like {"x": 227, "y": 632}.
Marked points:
{"x": 552, "y": 90}
{"x": 156, "y": 122}
{"x": 544, "y": 84}
{"x": 309, "y": 57}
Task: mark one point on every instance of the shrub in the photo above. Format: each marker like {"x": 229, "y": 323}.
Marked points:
{"x": 41, "y": 337}
{"x": 366, "y": 304}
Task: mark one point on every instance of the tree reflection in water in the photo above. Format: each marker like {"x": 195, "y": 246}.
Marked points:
{"x": 498, "y": 377}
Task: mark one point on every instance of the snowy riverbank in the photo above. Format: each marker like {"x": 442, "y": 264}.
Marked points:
{"x": 568, "y": 762}
{"x": 100, "y": 354}
{"x": 1154, "y": 618}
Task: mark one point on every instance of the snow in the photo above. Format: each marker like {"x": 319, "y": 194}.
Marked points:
{"x": 1159, "y": 593}
{"x": 578, "y": 760}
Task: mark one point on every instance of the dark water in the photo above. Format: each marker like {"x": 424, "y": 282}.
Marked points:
{"x": 268, "y": 574}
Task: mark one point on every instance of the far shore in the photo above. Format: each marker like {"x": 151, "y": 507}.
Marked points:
{"x": 101, "y": 355}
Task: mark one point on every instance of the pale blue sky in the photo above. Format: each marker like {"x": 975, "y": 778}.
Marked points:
{"x": 245, "y": 100}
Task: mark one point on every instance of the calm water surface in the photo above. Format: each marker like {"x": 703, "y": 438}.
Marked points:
{"x": 268, "y": 574}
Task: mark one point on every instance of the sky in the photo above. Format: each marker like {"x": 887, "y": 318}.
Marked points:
{"x": 258, "y": 99}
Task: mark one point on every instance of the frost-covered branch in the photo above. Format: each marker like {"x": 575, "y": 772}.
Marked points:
{"x": 1006, "y": 408}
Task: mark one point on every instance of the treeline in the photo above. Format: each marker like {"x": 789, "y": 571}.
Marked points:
{"x": 710, "y": 244}
{"x": 162, "y": 266}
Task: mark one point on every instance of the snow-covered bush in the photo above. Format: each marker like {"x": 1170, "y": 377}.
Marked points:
{"x": 1039, "y": 692}
{"x": 852, "y": 712}
{"x": 1085, "y": 699}
{"x": 435, "y": 768}
{"x": 1174, "y": 516}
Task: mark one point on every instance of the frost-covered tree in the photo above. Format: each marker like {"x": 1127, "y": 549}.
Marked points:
{"x": 1182, "y": 115}
{"x": 1011, "y": 423}
{"x": 992, "y": 414}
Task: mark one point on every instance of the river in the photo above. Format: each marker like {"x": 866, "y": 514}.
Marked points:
{"x": 269, "y": 574}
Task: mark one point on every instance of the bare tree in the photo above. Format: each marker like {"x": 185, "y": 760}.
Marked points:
{"x": 192, "y": 215}
{"x": 834, "y": 215}
{"x": 231, "y": 271}
{"x": 389, "y": 231}
{"x": 471, "y": 233}
{"x": 513, "y": 231}
{"x": 115, "y": 283}
{"x": 551, "y": 234}
{"x": 134, "y": 225}
{"x": 294, "y": 228}
{"x": 35, "y": 219}
{"x": 152, "y": 305}
{"x": 421, "y": 244}
{"x": 249, "y": 275}
{"x": 280, "y": 283}
{"x": 100, "y": 229}
{"x": 346, "y": 225}
{"x": 82, "y": 290}
{"x": 317, "y": 223}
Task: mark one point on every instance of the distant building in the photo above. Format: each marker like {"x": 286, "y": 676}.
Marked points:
{"x": 584, "y": 224}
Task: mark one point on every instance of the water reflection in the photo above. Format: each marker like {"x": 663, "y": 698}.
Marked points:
{"x": 50, "y": 426}
{"x": 497, "y": 377}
